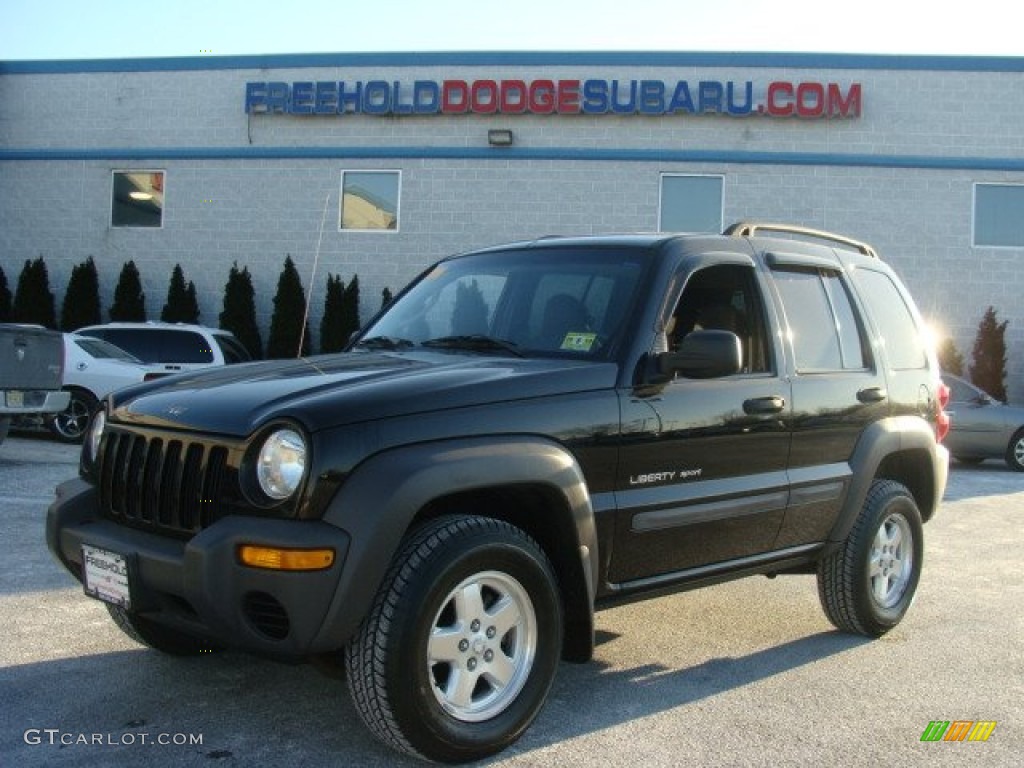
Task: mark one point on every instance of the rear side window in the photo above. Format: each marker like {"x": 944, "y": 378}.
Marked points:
{"x": 900, "y": 335}
{"x": 129, "y": 340}
{"x": 184, "y": 347}
{"x": 232, "y": 349}
{"x": 155, "y": 345}
{"x": 104, "y": 350}
{"x": 823, "y": 327}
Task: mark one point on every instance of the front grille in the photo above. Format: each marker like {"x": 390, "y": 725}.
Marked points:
{"x": 164, "y": 483}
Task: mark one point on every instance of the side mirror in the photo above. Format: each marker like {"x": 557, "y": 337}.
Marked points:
{"x": 703, "y": 355}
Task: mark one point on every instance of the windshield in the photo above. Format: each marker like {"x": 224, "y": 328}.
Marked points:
{"x": 547, "y": 301}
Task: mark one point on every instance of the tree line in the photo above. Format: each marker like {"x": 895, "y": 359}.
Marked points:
{"x": 33, "y": 302}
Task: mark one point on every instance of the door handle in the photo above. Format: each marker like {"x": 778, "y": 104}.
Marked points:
{"x": 872, "y": 395}
{"x": 764, "y": 405}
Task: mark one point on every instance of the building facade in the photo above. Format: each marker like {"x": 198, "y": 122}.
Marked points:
{"x": 377, "y": 164}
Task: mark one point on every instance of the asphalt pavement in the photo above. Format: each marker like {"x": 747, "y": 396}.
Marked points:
{"x": 744, "y": 674}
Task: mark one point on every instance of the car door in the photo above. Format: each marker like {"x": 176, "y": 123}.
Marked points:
{"x": 702, "y": 475}
{"x": 978, "y": 426}
{"x": 837, "y": 389}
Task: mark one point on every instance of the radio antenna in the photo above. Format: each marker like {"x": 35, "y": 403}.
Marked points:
{"x": 312, "y": 277}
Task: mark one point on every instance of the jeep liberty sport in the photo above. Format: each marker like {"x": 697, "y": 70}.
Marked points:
{"x": 527, "y": 434}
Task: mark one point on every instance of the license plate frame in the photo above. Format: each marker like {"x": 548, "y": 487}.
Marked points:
{"x": 106, "y": 576}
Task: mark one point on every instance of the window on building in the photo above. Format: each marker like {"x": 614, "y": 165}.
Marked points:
{"x": 369, "y": 200}
{"x": 690, "y": 203}
{"x": 137, "y": 199}
{"x": 998, "y": 211}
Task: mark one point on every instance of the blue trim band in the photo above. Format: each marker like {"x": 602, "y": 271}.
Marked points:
{"x": 523, "y": 58}
{"x": 523, "y": 153}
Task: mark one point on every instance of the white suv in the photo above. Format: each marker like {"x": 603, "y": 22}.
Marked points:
{"x": 176, "y": 346}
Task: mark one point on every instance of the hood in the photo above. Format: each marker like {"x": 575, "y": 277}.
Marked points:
{"x": 333, "y": 390}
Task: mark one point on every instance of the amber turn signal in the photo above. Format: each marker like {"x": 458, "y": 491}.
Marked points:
{"x": 277, "y": 559}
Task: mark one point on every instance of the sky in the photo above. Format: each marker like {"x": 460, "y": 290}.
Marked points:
{"x": 101, "y": 29}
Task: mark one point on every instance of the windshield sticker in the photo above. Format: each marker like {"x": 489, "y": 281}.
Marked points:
{"x": 578, "y": 342}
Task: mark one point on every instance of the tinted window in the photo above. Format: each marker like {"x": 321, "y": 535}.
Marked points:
{"x": 464, "y": 307}
{"x": 822, "y": 325}
{"x": 899, "y": 333}
{"x": 232, "y": 349}
{"x": 851, "y": 334}
{"x": 184, "y": 347}
{"x": 157, "y": 345}
{"x": 725, "y": 298}
{"x": 101, "y": 349}
{"x": 563, "y": 301}
{"x": 135, "y": 342}
{"x": 592, "y": 293}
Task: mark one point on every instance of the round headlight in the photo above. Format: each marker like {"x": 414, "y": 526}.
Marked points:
{"x": 282, "y": 463}
{"x": 99, "y": 423}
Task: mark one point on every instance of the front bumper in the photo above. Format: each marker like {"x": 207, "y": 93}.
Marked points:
{"x": 199, "y": 586}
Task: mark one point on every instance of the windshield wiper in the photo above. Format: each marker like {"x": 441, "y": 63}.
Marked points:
{"x": 476, "y": 342}
{"x": 385, "y": 342}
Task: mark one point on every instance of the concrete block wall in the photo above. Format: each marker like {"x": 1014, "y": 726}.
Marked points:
{"x": 601, "y": 174}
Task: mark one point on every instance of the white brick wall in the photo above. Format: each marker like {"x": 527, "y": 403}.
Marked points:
{"x": 262, "y": 209}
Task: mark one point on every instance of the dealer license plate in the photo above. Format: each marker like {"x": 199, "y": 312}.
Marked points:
{"x": 106, "y": 576}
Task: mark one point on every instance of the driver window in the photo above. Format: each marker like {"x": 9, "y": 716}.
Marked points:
{"x": 724, "y": 298}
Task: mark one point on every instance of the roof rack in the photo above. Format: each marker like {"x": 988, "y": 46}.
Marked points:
{"x": 749, "y": 228}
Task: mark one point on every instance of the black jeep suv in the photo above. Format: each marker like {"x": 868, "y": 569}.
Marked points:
{"x": 529, "y": 433}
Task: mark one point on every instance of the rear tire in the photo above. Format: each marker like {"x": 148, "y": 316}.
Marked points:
{"x": 868, "y": 583}
{"x": 458, "y": 653}
{"x": 69, "y": 425}
{"x": 158, "y": 637}
{"x": 1015, "y": 451}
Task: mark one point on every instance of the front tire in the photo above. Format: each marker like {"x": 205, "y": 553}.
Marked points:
{"x": 458, "y": 653}
{"x": 868, "y": 583}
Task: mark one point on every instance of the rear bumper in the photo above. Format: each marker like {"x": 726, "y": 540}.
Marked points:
{"x": 199, "y": 586}
{"x": 941, "y": 470}
{"x": 15, "y": 402}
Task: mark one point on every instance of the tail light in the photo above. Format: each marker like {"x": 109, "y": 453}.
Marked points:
{"x": 942, "y": 420}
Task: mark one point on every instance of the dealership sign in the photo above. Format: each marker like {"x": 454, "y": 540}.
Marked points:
{"x": 777, "y": 98}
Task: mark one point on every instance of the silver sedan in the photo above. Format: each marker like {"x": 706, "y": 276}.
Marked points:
{"x": 983, "y": 428}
